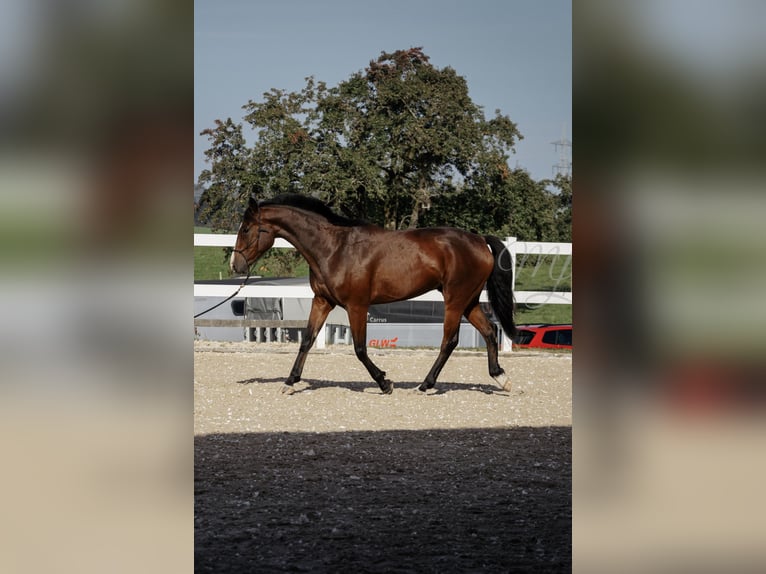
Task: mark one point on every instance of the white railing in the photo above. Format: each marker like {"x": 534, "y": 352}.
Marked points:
{"x": 515, "y": 248}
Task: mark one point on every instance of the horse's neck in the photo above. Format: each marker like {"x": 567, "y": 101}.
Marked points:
{"x": 309, "y": 234}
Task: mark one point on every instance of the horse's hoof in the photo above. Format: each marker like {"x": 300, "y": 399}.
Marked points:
{"x": 420, "y": 390}
{"x": 504, "y": 381}
{"x": 388, "y": 387}
{"x": 287, "y": 390}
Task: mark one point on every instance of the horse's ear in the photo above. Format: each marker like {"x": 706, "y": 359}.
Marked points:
{"x": 252, "y": 202}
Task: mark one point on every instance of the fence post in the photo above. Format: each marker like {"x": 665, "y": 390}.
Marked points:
{"x": 506, "y": 344}
{"x": 321, "y": 340}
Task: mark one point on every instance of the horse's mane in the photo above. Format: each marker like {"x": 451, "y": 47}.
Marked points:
{"x": 313, "y": 205}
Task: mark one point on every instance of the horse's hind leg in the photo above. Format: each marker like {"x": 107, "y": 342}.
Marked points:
{"x": 449, "y": 342}
{"x": 483, "y": 325}
{"x": 320, "y": 308}
{"x": 357, "y": 317}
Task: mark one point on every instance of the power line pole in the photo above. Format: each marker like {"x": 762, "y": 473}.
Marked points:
{"x": 563, "y": 148}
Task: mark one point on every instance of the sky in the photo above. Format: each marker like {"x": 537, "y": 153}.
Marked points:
{"x": 516, "y": 56}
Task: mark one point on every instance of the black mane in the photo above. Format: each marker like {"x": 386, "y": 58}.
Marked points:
{"x": 313, "y": 205}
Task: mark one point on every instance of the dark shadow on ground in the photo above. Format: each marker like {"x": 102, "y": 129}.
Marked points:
{"x": 372, "y": 386}
{"x": 469, "y": 500}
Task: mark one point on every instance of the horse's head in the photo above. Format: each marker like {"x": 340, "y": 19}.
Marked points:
{"x": 254, "y": 238}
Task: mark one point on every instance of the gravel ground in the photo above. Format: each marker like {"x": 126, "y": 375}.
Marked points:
{"x": 338, "y": 477}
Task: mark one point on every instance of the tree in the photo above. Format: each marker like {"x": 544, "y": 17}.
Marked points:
{"x": 226, "y": 182}
{"x": 400, "y": 143}
{"x": 533, "y": 208}
{"x": 414, "y": 131}
{"x": 563, "y": 215}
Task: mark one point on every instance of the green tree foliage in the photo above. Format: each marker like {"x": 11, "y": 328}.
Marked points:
{"x": 399, "y": 143}
{"x": 563, "y": 207}
{"x": 226, "y": 182}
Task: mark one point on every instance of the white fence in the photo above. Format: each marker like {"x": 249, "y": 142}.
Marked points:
{"x": 515, "y": 248}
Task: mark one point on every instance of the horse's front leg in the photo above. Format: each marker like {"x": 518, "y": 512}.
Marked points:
{"x": 357, "y": 317}
{"x": 320, "y": 308}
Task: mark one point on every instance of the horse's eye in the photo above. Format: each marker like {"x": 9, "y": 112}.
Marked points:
{"x": 245, "y": 230}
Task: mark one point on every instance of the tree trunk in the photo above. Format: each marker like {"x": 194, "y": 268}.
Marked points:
{"x": 422, "y": 199}
{"x": 390, "y": 215}
{"x": 414, "y": 215}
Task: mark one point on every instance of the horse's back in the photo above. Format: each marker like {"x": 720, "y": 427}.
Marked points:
{"x": 462, "y": 246}
{"x": 409, "y": 263}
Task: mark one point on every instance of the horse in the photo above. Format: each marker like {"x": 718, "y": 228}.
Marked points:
{"x": 354, "y": 264}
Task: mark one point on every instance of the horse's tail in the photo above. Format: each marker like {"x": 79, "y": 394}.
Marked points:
{"x": 500, "y": 285}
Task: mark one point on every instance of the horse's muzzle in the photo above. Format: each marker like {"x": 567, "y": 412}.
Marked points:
{"x": 238, "y": 263}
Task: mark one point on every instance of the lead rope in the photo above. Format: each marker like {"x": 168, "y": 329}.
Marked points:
{"x": 227, "y": 298}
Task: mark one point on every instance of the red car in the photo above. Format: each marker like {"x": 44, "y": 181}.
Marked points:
{"x": 543, "y": 336}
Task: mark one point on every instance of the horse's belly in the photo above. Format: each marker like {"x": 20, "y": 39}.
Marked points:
{"x": 388, "y": 291}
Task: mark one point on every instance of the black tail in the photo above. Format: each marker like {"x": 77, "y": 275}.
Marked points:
{"x": 500, "y": 285}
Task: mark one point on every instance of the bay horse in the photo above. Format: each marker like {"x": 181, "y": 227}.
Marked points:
{"x": 354, "y": 264}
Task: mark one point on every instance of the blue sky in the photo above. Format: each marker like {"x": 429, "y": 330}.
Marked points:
{"x": 514, "y": 54}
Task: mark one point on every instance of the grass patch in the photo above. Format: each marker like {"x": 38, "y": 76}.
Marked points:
{"x": 543, "y": 273}
{"x": 543, "y": 314}
{"x": 210, "y": 263}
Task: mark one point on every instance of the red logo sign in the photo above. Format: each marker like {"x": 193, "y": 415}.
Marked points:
{"x": 384, "y": 343}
